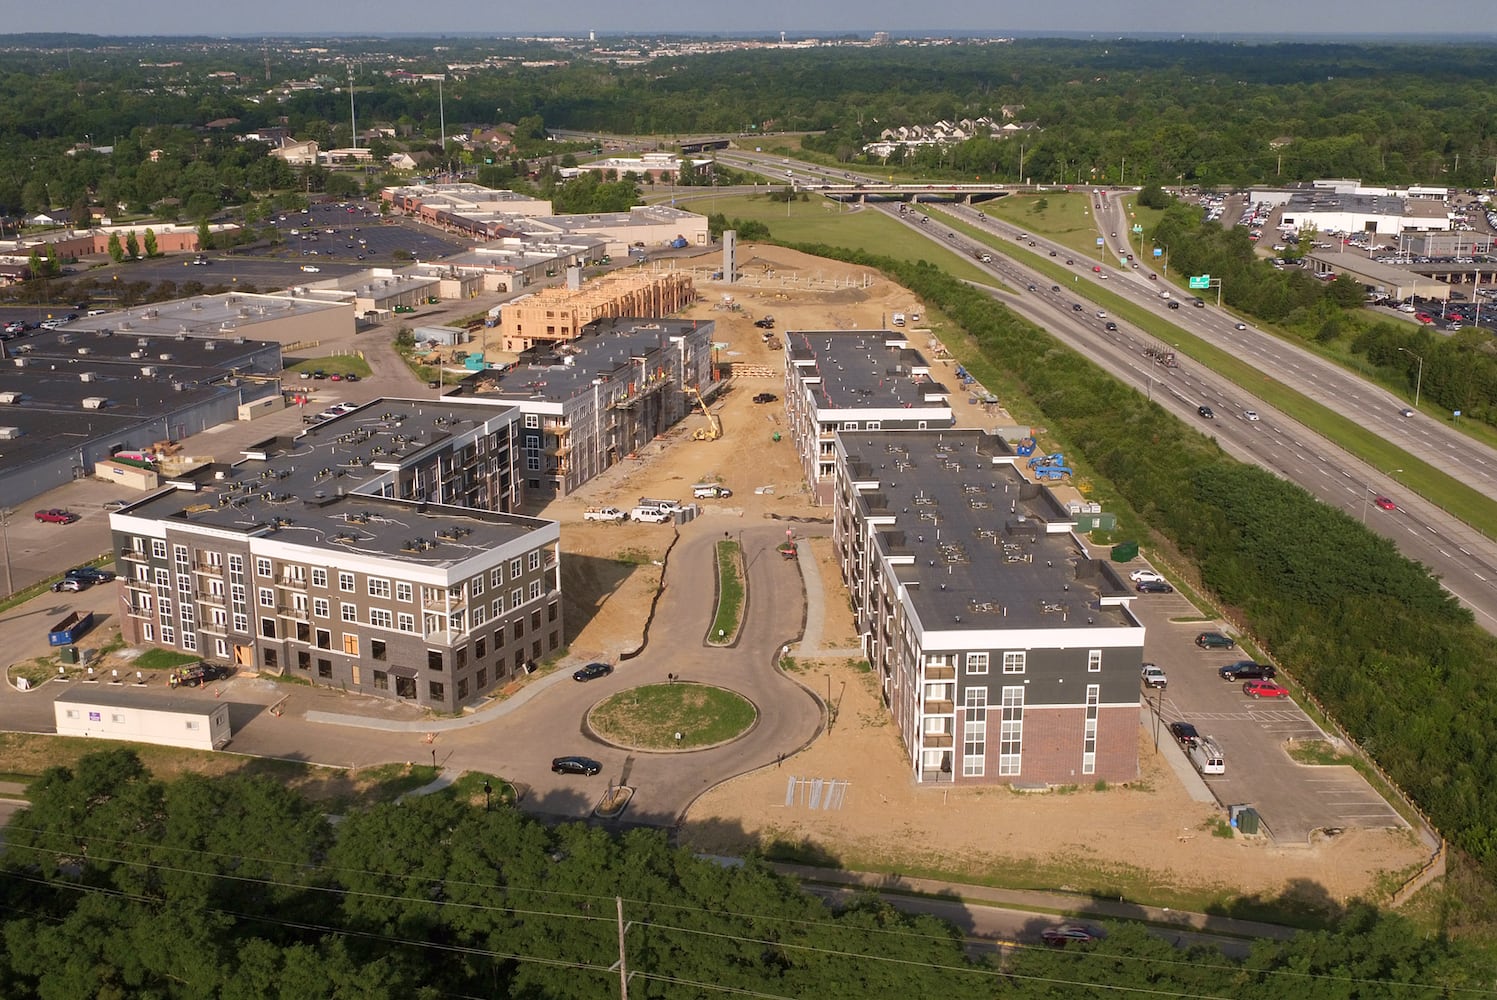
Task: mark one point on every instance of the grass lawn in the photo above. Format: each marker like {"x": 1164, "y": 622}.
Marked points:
{"x": 820, "y": 220}
{"x": 163, "y": 659}
{"x": 1061, "y": 217}
{"x": 649, "y": 717}
{"x": 729, "y": 593}
{"x": 341, "y": 364}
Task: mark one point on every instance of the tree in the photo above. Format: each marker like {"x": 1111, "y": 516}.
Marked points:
{"x": 116, "y": 250}
{"x": 205, "y": 236}
{"x": 132, "y": 245}
{"x": 150, "y": 242}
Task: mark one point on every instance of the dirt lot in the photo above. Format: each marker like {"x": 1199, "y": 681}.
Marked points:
{"x": 1146, "y": 838}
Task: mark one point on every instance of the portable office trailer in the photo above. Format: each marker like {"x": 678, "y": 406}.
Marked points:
{"x": 111, "y": 712}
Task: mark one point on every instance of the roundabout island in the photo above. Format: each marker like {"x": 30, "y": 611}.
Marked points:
{"x": 673, "y": 716}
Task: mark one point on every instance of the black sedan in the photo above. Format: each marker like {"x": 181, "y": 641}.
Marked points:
{"x": 89, "y": 574}
{"x": 1184, "y": 733}
{"x": 1154, "y": 587}
{"x": 592, "y": 671}
{"x": 576, "y": 765}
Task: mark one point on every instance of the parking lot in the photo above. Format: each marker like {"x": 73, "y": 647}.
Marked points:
{"x": 1293, "y": 799}
{"x": 354, "y": 232}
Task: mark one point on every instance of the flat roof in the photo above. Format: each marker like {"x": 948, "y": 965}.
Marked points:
{"x": 864, "y": 369}
{"x": 986, "y": 548}
{"x": 608, "y": 350}
{"x": 230, "y": 314}
{"x": 127, "y": 695}
{"x": 319, "y": 488}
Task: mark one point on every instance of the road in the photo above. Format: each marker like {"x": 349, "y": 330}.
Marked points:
{"x": 1464, "y": 560}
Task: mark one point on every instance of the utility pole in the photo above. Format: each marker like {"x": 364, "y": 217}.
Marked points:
{"x": 623, "y": 971}
{"x": 442, "y": 116}
{"x": 353, "y": 124}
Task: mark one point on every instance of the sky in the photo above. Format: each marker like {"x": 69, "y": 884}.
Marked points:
{"x": 576, "y": 18}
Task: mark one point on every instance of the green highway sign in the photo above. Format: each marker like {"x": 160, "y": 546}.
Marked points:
{"x": 1200, "y": 281}
{"x": 1137, "y": 228}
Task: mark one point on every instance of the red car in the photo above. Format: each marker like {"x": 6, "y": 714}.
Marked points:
{"x": 1385, "y": 503}
{"x": 1097, "y": 268}
{"x": 1424, "y": 317}
{"x": 1264, "y": 689}
{"x": 56, "y": 515}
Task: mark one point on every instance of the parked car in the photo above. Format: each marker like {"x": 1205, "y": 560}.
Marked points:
{"x": 1215, "y": 640}
{"x": 89, "y": 574}
{"x": 592, "y": 671}
{"x": 765, "y": 397}
{"x": 55, "y": 515}
{"x": 1247, "y": 670}
{"x": 1154, "y": 587}
{"x": 115, "y": 504}
{"x": 1184, "y": 733}
{"x": 69, "y": 583}
{"x": 201, "y": 673}
{"x": 1140, "y": 575}
{"x": 576, "y": 765}
{"x": 1059, "y": 937}
{"x": 1385, "y": 503}
{"x": 1264, "y": 689}
{"x": 1153, "y": 676}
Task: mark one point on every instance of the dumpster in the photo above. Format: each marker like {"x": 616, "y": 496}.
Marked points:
{"x": 69, "y": 654}
{"x": 1125, "y": 552}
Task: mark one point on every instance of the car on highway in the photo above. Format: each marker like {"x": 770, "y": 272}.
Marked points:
{"x": 1101, "y": 313}
{"x": 576, "y": 765}
{"x": 311, "y": 268}
{"x": 1184, "y": 733}
{"x": 1070, "y": 260}
{"x": 592, "y": 671}
{"x": 1032, "y": 288}
{"x": 1140, "y": 575}
{"x": 1406, "y": 412}
{"x": 69, "y": 584}
{"x": 89, "y": 574}
{"x": 1174, "y": 304}
{"x": 1054, "y": 254}
{"x": 1242, "y": 326}
{"x": 1153, "y": 276}
{"x": 1264, "y": 689}
{"x": 1076, "y": 307}
{"x": 1111, "y": 326}
{"x": 1246, "y": 670}
{"x": 1251, "y": 415}
{"x": 1215, "y": 640}
{"x": 1054, "y": 288}
{"x": 1097, "y": 268}
{"x": 1384, "y": 503}
{"x": 1206, "y": 412}
{"x": 1153, "y": 587}
{"x": 55, "y": 515}
{"x": 1059, "y": 937}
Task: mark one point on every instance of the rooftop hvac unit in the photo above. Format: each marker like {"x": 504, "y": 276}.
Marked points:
{"x": 9, "y": 433}
{"x": 94, "y": 403}
{"x": 10, "y": 397}
{"x": 86, "y": 376}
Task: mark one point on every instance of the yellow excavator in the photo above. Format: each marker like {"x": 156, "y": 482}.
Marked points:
{"x": 714, "y": 428}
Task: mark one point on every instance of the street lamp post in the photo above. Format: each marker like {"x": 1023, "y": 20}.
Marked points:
{"x": 1418, "y": 377}
{"x": 10, "y": 587}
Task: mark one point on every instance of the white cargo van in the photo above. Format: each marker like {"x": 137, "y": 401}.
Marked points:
{"x": 653, "y": 515}
{"x": 1207, "y": 756}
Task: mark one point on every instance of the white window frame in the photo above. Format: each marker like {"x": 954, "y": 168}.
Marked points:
{"x": 404, "y": 593}
{"x": 378, "y": 587}
{"x": 975, "y": 733}
{"x": 977, "y": 663}
{"x": 1094, "y": 661}
{"x": 346, "y": 583}
{"x": 1014, "y": 661}
{"x": 319, "y": 577}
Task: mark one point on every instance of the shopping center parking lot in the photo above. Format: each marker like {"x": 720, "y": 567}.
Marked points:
{"x": 1294, "y": 799}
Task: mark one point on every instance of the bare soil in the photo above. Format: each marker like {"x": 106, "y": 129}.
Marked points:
{"x": 1147, "y": 837}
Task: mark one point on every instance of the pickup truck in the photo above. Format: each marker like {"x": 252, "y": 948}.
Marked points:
{"x": 603, "y": 514}
{"x": 70, "y": 629}
{"x": 1153, "y": 677}
{"x": 56, "y": 515}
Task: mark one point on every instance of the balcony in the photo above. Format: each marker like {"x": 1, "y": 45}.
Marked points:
{"x": 134, "y": 555}
{"x": 298, "y": 614}
{"x": 136, "y": 611}
{"x": 211, "y": 599}
{"x": 940, "y": 673}
{"x": 938, "y": 706}
{"x": 935, "y": 741}
{"x": 438, "y": 604}
{"x": 292, "y": 582}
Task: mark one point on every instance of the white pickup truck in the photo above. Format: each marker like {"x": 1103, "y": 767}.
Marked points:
{"x": 1153, "y": 676}
{"x": 603, "y": 514}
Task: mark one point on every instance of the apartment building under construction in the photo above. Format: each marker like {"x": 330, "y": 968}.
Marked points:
{"x": 557, "y": 315}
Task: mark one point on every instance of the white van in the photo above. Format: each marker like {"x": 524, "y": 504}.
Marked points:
{"x": 1207, "y": 756}
{"x": 707, "y": 491}
{"x": 653, "y": 515}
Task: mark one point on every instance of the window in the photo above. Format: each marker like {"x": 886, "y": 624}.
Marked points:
{"x": 267, "y": 597}
{"x": 262, "y": 566}
{"x": 496, "y": 576}
{"x": 534, "y": 560}
{"x": 478, "y": 615}
{"x": 381, "y": 681}
{"x": 1094, "y": 661}
{"x": 168, "y": 635}
{"x": 496, "y": 607}
{"x": 433, "y": 659}
{"x": 324, "y": 639}
{"x": 977, "y": 663}
{"x": 147, "y": 632}
{"x": 462, "y": 688}
{"x": 345, "y": 582}
{"x": 158, "y": 548}
{"x": 975, "y": 733}
{"x": 535, "y": 591}
{"x": 477, "y": 586}
{"x": 1013, "y": 663}
{"x": 402, "y": 591}
{"x": 319, "y": 577}
{"x": 405, "y": 622}
{"x": 350, "y": 644}
{"x": 499, "y": 638}
{"x": 461, "y": 659}
{"x": 516, "y": 598}
{"x": 192, "y": 724}
{"x": 324, "y": 668}
{"x": 519, "y": 627}
{"x": 379, "y": 587}
{"x": 514, "y": 570}
{"x": 267, "y": 628}
{"x": 303, "y": 660}
{"x": 1011, "y": 732}
{"x": 480, "y": 648}
{"x": 436, "y": 691}
{"x": 381, "y": 618}
{"x": 1089, "y": 736}
{"x": 532, "y": 420}
{"x": 320, "y": 607}
{"x": 481, "y": 681}
{"x": 269, "y": 657}
{"x": 241, "y": 623}
{"x": 377, "y": 649}
{"x": 552, "y": 611}
{"x": 349, "y": 612}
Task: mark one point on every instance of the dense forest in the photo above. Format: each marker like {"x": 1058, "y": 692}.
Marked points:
{"x": 116, "y": 884}
{"x": 1116, "y": 111}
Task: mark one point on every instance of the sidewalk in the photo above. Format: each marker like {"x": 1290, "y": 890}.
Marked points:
{"x": 1027, "y": 899}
